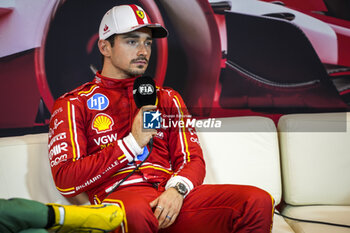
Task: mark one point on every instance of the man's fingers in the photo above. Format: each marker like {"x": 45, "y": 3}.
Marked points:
{"x": 148, "y": 108}
{"x": 173, "y": 219}
{"x": 158, "y": 212}
{"x": 162, "y": 219}
{"x": 169, "y": 219}
{"x": 154, "y": 133}
{"x": 166, "y": 217}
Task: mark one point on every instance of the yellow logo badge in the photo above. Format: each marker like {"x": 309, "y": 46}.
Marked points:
{"x": 102, "y": 123}
{"x": 140, "y": 14}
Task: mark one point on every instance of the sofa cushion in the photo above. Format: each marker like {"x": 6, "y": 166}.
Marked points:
{"x": 244, "y": 151}
{"x": 315, "y": 157}
{"x": 25, "y": 170}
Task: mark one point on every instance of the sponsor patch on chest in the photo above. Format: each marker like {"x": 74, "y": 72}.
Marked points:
{"x": 98, "y": 102}
{"x": 102, "y": 123}
{"x": 106, "y": 139}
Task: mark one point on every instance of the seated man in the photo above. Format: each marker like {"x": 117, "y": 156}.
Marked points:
{"x": 98, "y": 139}
{"x": 25, "y": 216}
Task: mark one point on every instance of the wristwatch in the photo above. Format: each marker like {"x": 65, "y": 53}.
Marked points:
{"x": 181, "y": 188}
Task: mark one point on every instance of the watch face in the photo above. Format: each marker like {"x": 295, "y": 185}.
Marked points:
{"x": 181, "y": 188}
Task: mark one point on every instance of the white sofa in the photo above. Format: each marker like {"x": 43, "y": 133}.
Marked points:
{"x": 25, "y": 170}
{"x": 315, "y": 154}
{"x": 247, "y": 152}
{"x": 315, "y": 179}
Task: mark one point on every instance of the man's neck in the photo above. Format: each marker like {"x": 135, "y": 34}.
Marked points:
{"x": 113, "y": 73}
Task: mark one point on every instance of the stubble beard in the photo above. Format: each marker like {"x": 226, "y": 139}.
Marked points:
{"x": 136, "y": 72}
{"x": 140, "y": 69}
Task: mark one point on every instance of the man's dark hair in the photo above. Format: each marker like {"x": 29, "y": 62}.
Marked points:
{"x": 110, "y": 39}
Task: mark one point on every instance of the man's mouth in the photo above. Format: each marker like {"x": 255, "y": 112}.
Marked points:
{"x": 140, "y": 61}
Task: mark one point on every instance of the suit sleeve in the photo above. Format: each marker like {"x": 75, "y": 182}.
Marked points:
{"x": 185, "y": 151}
{"x": 74, "y": 171}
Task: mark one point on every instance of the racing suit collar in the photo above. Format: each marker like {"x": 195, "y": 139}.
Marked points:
{"x": 113, "y": 83}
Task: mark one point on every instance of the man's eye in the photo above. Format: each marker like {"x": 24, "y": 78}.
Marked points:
{"x": 131, "y": 42}
{"x": 149, "y": 43}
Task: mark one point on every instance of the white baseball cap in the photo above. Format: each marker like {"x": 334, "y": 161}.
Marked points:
{"x": 127, "y": 18}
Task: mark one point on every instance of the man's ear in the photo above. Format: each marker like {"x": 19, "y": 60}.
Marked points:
{"x": 104, "y": 47}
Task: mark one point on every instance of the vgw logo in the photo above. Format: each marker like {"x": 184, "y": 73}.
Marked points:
{"x": 98, "y": 102}
{"x": 152, "y": 120}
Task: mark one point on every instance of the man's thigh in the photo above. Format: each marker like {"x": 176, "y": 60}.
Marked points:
{"x": 135, "y": 202}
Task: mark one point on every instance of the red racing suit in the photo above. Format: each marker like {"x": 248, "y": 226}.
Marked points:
{"x": 91, "y": 147}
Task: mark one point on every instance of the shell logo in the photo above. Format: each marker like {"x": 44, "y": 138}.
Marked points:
{"x": 102, "y": 123}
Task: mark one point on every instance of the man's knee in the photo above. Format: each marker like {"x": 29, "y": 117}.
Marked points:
{"x": 139, "y": 215}
{"x": 259, "y": 198}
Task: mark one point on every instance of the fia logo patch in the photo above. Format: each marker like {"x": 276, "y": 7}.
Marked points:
{"x": 146, "y": 89}
{"x": 98, "y": 102}
{"x": 152, "y": 120}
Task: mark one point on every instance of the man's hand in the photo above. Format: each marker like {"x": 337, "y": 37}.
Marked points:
{"x": 141, "y": 135}
{"x": 167, "y": 207}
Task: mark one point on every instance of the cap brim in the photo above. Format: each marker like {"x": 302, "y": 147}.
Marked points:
{"x": 158, "y": 31}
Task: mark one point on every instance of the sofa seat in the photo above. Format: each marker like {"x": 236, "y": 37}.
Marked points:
{"x": 280, "y": 225}
{"x": 331, "y": 214}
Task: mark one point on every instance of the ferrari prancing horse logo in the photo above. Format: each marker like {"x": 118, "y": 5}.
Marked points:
{"x": 140, "y": 14}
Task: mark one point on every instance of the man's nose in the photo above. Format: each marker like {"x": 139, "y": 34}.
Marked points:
{"x": 142, "y": 50}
